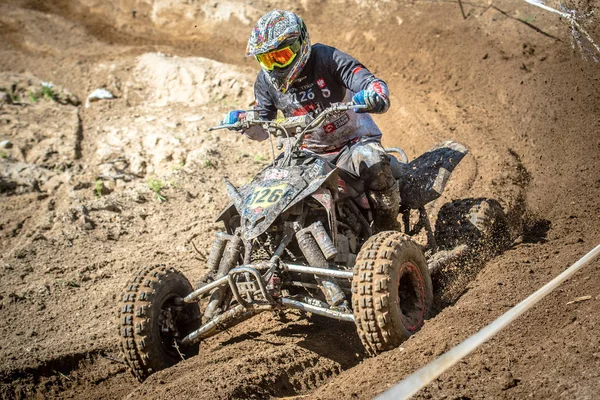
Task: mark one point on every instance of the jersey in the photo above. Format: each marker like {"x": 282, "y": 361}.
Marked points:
{"x": 329, "y": 76}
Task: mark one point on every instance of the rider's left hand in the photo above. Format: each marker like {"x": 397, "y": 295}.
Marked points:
{"x": 374, "y": 102}
{"x": 233, "y": 117}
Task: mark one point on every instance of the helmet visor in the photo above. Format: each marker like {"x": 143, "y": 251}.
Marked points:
{"x": 279, "y": 58}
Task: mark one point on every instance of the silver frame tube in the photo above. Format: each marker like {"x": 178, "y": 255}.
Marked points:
{"x": 289, "y": 303}
{"x": 257, "y": 276}
{"x": 397, "y": 150}
{"x": 228, "y": 279}
{"x": 333, "y": 273}
{"x": 206, "y": 329}
{"x": 204, "y": 289}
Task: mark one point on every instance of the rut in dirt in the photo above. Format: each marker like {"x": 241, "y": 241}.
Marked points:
{"x": 268, "y": 356}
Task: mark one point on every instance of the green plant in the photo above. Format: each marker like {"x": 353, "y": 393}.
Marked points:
{"x": 45, "y": 92}
{"x": 3, "y": 154}
{"x": 33, "y": 97}
{"x": 259, "y": 158}
{"x": 98, "y": 187}
{"x": 209, "y": 164}
{"x": 156, "y": 185}
{"x": 48, "y": 91}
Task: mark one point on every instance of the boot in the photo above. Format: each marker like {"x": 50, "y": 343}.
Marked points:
{"x": 386, "y": 204}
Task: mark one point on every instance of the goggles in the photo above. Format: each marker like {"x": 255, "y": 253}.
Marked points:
{"x": 280, "y": 58}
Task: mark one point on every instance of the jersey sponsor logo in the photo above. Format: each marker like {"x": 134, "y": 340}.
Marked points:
{"x": 308, "y": 86}
{"x": 341, "y": 121}
{"x": 304, "y": 109}
{"x": 300, "y": 79}
{"x": 329, "y": 128}
{"x": 276, "y": 174}
{"x": 323, "y": 86}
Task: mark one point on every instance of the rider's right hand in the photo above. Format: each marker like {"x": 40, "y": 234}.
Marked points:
{"x": 233, "y": 117}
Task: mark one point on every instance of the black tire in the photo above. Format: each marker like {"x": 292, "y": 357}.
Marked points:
{"x": 479, "y": 223}
{"x": 392, "y": 292}
{"x": 147, "y": 297}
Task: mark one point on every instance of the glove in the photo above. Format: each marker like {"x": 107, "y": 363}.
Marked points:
{"x": 374, "y": 102}
{"x": 234, "y": 116}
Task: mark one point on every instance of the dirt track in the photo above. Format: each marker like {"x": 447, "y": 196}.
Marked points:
{"x": 504, "y": 81}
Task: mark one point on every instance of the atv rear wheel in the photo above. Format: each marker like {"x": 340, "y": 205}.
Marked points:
{"x": 479, "y": 223}
{"x": 391, "y": 291}
{"x": 153, "y": 317}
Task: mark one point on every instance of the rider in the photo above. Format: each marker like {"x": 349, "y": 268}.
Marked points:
{"x": 299, "y": 78}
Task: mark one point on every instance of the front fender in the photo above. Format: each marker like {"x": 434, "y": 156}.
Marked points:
{"x": 229, "y": 212}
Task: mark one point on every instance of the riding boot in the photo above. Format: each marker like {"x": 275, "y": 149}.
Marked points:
{"x": 386, "y": 204}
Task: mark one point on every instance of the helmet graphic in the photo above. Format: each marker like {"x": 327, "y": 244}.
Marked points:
{"x": 280, "y": 43}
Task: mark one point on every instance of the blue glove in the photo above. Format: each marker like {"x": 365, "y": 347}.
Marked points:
{"x": 234, "y": 116}
{"x": 374, "y": 102}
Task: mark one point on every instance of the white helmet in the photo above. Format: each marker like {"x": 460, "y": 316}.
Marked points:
{"x": 280, "y": 43}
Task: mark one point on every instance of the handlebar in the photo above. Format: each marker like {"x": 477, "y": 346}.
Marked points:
{"x": 303, "y": 122}
{"x": 301, "y": 125}
{"x": 226, "y": 126}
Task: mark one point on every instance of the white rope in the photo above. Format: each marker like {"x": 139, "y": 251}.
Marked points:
{"x": 540, "y": 4}
{"x": 419, "y": 379}
{"x": 576, "y": 28}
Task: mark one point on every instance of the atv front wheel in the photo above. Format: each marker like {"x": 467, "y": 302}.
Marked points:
{"x": 153, "y": 318}
{"x": 478, "y": 223}
{"x": 391, "y": 291}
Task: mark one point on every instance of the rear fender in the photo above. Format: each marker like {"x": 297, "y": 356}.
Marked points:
{"x": 423, "y": 179}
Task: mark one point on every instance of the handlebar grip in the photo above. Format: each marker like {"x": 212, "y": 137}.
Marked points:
{"x": 227, "y": 126}
{"x": 347, "y": 106}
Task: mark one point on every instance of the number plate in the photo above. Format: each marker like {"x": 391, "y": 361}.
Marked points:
{"x": 266, "y": 196}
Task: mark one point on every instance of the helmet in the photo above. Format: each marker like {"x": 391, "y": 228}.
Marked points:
{"x": 281, "y": 44}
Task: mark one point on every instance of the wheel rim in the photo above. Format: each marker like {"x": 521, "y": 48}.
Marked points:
{"x": 171, "y": 325}
{"x": 411, "y": 296}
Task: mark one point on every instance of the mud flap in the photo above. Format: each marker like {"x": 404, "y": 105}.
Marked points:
{"x": 424, "y": 179}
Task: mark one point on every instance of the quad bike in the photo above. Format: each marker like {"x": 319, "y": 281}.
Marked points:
{"x": 299, "y": 236}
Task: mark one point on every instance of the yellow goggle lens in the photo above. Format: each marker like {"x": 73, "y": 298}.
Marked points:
{"x": 278, "y": 58}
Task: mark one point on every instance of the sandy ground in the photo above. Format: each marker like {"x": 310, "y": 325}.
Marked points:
{"x": 77, "y": 215}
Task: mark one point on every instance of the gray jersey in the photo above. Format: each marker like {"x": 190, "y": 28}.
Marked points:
{"x": 330, "y": 76}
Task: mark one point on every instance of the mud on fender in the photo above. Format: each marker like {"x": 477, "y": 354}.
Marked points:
{"x": 423, "y": 179}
